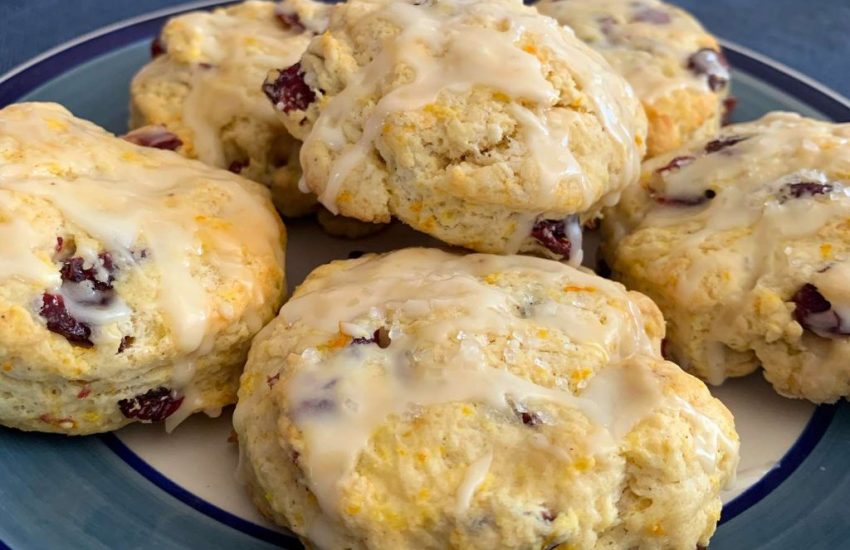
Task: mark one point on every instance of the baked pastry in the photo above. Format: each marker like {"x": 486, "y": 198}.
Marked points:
{"x": 421, "y": 399}
{"x": 204, "y": 85}
{"x": 676, "y": 68}
{"x": 743, "y": 242}
{"x": 481, "y": 123}
{"x": 131, "y": 279}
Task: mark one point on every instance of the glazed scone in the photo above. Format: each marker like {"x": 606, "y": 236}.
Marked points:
{"x": 481, "y": 123}
{"x": 131, "y": 279}
{"x": 205, "y": 85}
{"x": 421, "y": 399}
{"x": 744, "y": 243}
{"x": 676, "y": 68}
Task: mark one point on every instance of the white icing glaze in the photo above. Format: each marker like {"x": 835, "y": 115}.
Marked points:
{"x": 449, "y": 52}
{"x": 131, "y": 199}
{"x": 475, "y": 475}
{"x": 18, "y": 253}
{"x": 338, "y": 401}
{"x": 653, "y": 57}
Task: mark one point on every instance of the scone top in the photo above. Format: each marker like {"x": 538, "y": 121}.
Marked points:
{"x": 484, "y": 107}
{"x": 408, "y": 385}
{"x": 84, "y": 213}
{"x": 744, "y": 243}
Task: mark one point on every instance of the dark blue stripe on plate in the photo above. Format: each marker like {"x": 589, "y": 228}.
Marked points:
{"x": 813, "y": 432}
{"x": 154, "y": 476}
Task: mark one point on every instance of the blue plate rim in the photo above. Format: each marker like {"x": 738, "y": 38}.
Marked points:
{"x": 29, "y": 75}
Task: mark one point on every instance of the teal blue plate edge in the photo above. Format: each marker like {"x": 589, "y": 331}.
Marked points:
{"x": 58, "y": 492}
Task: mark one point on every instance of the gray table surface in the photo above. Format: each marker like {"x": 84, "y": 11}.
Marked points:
{"x": 810, "y": 36}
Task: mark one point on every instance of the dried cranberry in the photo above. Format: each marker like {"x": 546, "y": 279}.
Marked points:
{"x": 60, "y": 244}
{"x": 720, "y": 144}
{"x": 152, "y": 406}
{"x": 553, "y": 234}
{"x": 126, "y": 342}
{"x": 289, "y": 20}
{"x": 380, "y": 337}
{"x": 316, "y": 405}
{"x": 157, "y": 47}
{"x": 288, "y": 92}
{"x": 237, "y": 166}
{"x": 83, "y": 393}
{"x": 548, "y": 515}
{"x": 815, "y": 313}
{"x": 729, "y": 105}
{"x": 73, "y": 271}
{"x": 61, "y": 322}
{"x": 697, "y": 200}
{"x": 711, "y": 63}
{"x": 803, "y": 189}
{"x": 155, "y": 136}
{"x": 648, "y": 14}
{"x": 676, "y": 163}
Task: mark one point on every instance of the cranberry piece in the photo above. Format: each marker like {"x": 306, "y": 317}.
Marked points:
{"x": 61, "y": 322}
{"x": 237, "y": 166}
{"x": 155, "y": 136}
{"x": 83, "y": 393}
{"x": 803, "y": 189}
{"x": 289, "y": 20}
{"x": 60, "y": 244}
{"x": 157, "y": 47}
{"x": 380, "y": 337}
{"x": 711, "y": 63}
{"x": 815, "y": 314}
{"x": 126, "y": 342}
{"x": 653, "y": 16}
{"x": 720, "y": 144}
{"x": 288, "y": 92}
{"x": 676, "y": 163}
{"x": 729, "y": 105}
{"x": 152, "y": 406}
{"x": 553, "y": 234}
{"x": 73, "y": 271}
{"x": 685, "y": 201}
{"x": 548, "y": 515}
{"x": 317, "y": 405}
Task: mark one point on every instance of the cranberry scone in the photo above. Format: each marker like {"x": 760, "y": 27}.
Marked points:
{"x": 481, "y": 123}
{"x": 744, "y": 243}
{"x": 204, "y": 85}
{"x": 421, "y": 399}
{"x": 676, "y": 68}
{"x": 131, "y": 279}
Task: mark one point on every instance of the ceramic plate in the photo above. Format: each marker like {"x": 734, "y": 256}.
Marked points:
{"x": 141, "y": 488}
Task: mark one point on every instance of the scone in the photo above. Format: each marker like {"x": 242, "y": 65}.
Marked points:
{"x": 481, "y": 123}
{"x": 420, "y": 400}
{"x": 744, "y": 243}
{"x": 205, "y": 86}
{"x": 676, "y": 68}
{"x": 131, "y": 279}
